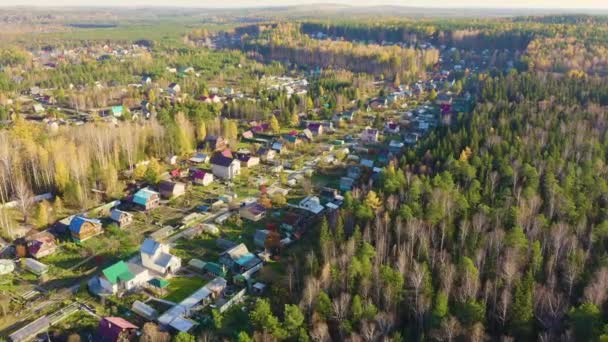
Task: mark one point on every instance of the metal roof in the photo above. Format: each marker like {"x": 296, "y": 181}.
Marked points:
{"x": 118, "y": 271}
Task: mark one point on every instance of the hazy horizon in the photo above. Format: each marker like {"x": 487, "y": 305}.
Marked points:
{"x": 491, "y": 4}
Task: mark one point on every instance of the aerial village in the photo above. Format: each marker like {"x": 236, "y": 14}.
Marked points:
{"x": 219, "y": 226}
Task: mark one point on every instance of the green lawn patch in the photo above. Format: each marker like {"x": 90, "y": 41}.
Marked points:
{"x": 181, "y": 287}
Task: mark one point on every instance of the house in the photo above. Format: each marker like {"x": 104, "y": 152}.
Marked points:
{"x": 315, "y": 128}
{"x": 369, "y": 135}
{"x": 179, "y": 173}
{"x": 169, "y": 189}
{"x": 330, "y": 194}
{"x": 392, "y": 127}
{"x": 147, "y": 199}
{"x": 346, "y": 183}
{"x": 225, "y": 167}
{"x": 395, "y": 146}
{"x": 122, "y": 218}
{"x": 41, "y": 244}
{"x": 312, "y": 204}
{"x": 292, "y": 138}
{"x": 253, "y": 212}
{"x": 117, "y": 111}
{"x": 239, "y": 259}
{"x": 123, "y": 276}
{"x": 247, "y": 160}
{"x": 201, "y": 177}
{"x": 214, "y": 143}
{"x": 266, "y": 154}
{"x": 173, "y": 89}
{"x": 277, "y": 146}
{"x": 114, "y": 329}
{"x": 155, "y": 256}
{"x": 82, "y": 228}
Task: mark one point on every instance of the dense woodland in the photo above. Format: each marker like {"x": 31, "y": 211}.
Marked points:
{"x": 494, "y": 226}
{"x": 286, "y": 42}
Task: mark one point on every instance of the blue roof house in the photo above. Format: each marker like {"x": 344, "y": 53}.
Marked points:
{"x": 83, "y": 228}
{"x": 147, "y": 198}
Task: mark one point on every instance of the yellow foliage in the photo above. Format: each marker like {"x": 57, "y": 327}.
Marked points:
{"x": 465, "y": 154}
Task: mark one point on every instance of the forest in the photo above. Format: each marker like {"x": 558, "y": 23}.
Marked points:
{"x": 285, "y": 41}
{"x": 495, "y": 226}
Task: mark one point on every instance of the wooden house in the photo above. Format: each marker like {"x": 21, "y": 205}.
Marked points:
{"x": 147, "y": 199}
{"x": 121, "y": 218}
{"x": 83, "y": 228}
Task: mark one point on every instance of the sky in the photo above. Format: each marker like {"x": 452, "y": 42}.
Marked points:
{"x": 563, "y": 4}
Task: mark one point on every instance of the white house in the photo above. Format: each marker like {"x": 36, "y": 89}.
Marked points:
{"x": 225, "y": 167}
{"x": 312, "y": 204}
{"x": 123, "y": 276}
{"x": 201, "y": 177}
{"x": 156, "y": 257}
{"x": 174, "y": 89}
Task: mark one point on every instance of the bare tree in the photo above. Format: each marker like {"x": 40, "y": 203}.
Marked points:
{"x": 369, "y": 332}
{"x": 340, "y": 306}
{"x": 24, "y": 197}
{"x": 596, "y": 291}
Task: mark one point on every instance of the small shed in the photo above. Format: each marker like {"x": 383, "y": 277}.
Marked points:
{"x": 35, "y": 266}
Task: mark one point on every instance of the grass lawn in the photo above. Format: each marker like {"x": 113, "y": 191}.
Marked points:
{"x": 202, "y": 247}
{"x": 181, "y": 287}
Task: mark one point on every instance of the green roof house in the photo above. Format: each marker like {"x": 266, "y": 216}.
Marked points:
{"x": 123, "y": 276}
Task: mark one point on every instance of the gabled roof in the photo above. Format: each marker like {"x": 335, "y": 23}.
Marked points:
{"x": 118, "y": 272}
{"x": 149, "y": 246}
{"x": 120, "y": 322}
{"x": 142, "y": 196}
{"x": 221, "y": 160}
{"x": 78, "y": 221}
{"x": 200, "y": 174}
{"x": 116, "y": 214}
